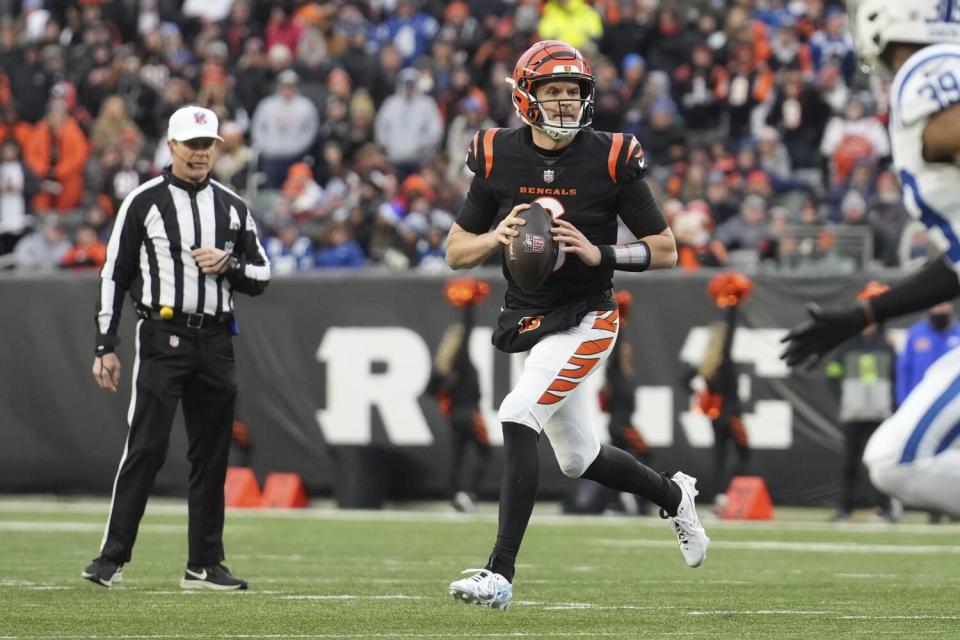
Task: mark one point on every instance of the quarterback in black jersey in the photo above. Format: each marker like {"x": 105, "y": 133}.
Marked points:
{"x": 585, "y": 179}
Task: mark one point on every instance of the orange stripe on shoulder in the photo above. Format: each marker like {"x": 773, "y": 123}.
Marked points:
{"x": 488, "y": 151}
{"x": 614, "y": 154}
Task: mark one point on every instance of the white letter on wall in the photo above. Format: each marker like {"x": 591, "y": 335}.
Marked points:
{"x": 353, "y": 388}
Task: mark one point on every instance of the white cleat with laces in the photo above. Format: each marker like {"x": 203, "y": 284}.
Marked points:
{"x": 484, "y": 588}
{"x": 686, "y": 524}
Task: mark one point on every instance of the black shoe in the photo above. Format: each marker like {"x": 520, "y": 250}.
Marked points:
{"x": 214, "y": 576}
{"x": 103, "y": 571}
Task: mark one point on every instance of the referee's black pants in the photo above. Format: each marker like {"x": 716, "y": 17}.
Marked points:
{"x": 196, "y": 367}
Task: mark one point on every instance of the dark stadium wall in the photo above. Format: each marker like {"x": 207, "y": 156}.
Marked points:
{"x": 331, "y": 375}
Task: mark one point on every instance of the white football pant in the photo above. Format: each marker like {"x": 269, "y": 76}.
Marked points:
{"x": 915, "y": 454}
{"x": 550, "y": 395}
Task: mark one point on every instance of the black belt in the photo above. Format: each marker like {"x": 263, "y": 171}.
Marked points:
{"x": 187, "y": 320}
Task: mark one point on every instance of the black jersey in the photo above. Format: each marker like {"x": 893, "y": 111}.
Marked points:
{"x": 596, "y": 178}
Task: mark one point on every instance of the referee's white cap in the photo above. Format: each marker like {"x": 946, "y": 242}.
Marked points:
{"x": 191, "y": 122}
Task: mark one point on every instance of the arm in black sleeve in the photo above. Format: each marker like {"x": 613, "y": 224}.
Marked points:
{"x": 639, "y": 211}
{"x": 479, "y": 209}
{"x": 249, "y": 270}
{"x": 935, "y": 283}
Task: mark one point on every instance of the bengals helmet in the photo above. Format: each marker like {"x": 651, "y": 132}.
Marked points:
{"x": 550, "y": 61}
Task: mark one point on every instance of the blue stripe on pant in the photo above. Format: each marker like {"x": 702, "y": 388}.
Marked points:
{"x": 913, "y": 443}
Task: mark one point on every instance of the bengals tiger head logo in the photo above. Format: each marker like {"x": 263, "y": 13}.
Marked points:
{"x": 529, "y": 323}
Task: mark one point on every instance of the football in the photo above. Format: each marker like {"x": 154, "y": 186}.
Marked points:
{"x": 532, "y": 255}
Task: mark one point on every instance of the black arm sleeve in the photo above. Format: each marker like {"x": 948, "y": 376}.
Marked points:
{"x": 479, "y": 209}
{"x": 638, "y": 210}
{"x": 935, "y": 283}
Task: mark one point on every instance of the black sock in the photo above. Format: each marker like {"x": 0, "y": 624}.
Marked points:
{"x": 617, "y": 469}
{"x": 518, "y": 492}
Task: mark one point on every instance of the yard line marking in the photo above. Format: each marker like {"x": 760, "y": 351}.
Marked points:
{"x": 761, "y": 612}
{"x": 900, "y": 617}
{"x": 825, "y": 547}
{"x": 420, "y": 513}
{"x": 868, "y": 575}
{"x": 351, "y": 597}
{"x": 281, "y": 636}
{"x": 46, "y": 526}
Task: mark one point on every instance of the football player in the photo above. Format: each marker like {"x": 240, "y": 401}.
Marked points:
{"x": 585, "y": 179}
{"x": 915, "y": 454}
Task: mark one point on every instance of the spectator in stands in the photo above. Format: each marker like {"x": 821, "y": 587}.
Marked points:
{"x": 340, "y": 250}
{"x": 833, "y": 44}
{"x": 409, "y": 30}
{"x": 631, "y": 35}
{"x": 301, "y": 190}
{"x": 853, "y": 136}
{"x": 43, "y": 249}
{"x": 573, "y": 21}
{"x": 95, "y": 216}
{"x": 721, "y": 202}
{"x": 408, "y": 125}
{"x": 889, "y": 217}
{"x": 773, "y": 159}
{"x": 30, "y": 84}
{"x": 283, "y": 29}
{"x": 799, "y": 114}
{"x": 663, "y": 139}
{"x": 750, "y": 84}
{"x": 17, "y": 185}
{"x": 252, "y": 76}
{"x": 87, "y": 252}
{"x": 57, "y": 152}
{"x": 284, "y": 127}
{"x": 461, "y": 132}
{"x": 748, "y": 234}
{"x": 236, "y": 162}
{"x": 289, "y": 251}
{"x": 700, "y": 89}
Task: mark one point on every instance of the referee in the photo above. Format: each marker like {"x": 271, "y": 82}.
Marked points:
{"x": 181, "y": 246}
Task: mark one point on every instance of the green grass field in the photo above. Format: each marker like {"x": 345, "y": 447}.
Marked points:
{"x": 329, "y": 574}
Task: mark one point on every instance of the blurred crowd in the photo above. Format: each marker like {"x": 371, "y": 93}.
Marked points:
{"x": 345, "y": 124}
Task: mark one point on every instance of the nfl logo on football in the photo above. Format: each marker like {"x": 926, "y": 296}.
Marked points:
{"x": 548, "y": 175}
{"x": 533, "y": 243}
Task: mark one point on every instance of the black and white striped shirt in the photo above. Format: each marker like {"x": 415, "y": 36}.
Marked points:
{"x": 157, "y": 227}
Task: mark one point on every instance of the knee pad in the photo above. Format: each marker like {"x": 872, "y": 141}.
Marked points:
{"x": 572, "y": 463}
{"x": 516, "y": 407}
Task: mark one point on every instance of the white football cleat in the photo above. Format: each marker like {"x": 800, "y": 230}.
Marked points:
{"x": 686, "y": 524}
{"x": 484, "y": 588}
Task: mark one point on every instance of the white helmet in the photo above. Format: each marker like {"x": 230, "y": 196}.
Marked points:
{"x": 876, "y": 23}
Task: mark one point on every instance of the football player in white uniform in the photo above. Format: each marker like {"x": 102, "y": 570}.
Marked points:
{"x": 915, "y": 454}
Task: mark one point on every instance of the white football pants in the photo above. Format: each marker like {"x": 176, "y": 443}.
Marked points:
{"x": 915, "y": 454}
{"x": 550, "y": 395}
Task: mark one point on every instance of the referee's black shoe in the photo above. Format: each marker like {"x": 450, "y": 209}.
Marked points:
{"x": 103, "y": 571}
{"x": 215, "y": 576}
